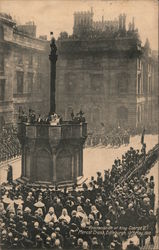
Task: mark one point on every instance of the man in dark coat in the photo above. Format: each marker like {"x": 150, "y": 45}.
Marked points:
{"x": 152, "y": 226}
{"x": 25, "y": 241}
{"x": 10, "y": 174}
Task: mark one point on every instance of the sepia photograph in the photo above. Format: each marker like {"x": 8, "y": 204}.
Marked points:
{"x": 79, "y": 106}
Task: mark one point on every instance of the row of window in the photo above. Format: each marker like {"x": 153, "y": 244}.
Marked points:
{"x": 140, "y": 84}
{"x": 96, "y": 83}
{"x": 29, "y": 82}
{"x": 20, "y": 84}
{"x": 19, "y": 60}
{"x": 139, "y": 65}
{"x": 144, "y": 112}
{"x": 95, "y": 115}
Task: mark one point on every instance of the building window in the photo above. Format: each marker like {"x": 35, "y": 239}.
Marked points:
{"x": 139, "y": 63}
{"x": 39, "y": 60}
{"x": 30, "y": 82}
{"x": 19, "y": 59}
{"x": 2, "y": 89}
{"x": 1, "y": 63}
{"x": 30, "y": 60}
{"x": 39, "y": 81}
{"x": 122, "y": 87}
{"x": 139, "y": 84}
{"x": 1, "y": 33}
{"x": 149, "y": 84}
{"x": 149, "y": 68}
{"x": 139, "y": 113}
{"x": 122, "y": 115}
{"x": 20, "y": 82}
{"x": 96, "y": 82}
{"x": 122, "y": 84}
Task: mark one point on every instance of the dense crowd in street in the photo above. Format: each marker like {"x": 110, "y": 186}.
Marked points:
{"x": 115, "y": 138}
{"x": 50, "y": 217}
{"x": 9, "y": 144}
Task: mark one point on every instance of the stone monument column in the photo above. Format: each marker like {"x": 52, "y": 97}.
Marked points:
{"x": 52, "y": 152}
{"x": 53, "y": 59}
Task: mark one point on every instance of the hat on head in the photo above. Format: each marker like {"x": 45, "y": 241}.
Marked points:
{"x": 48, "y": 239}
{"x": 36, "y": 224}
{"x": 57, "y": 242}
{"x": 57, "y": 229}
{"x": 79, "y": 241}
{"x": 27, "y": 209}
{"x": 53, "y": 235}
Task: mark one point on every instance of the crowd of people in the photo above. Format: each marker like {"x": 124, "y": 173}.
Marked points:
{"x": 49, "y": 217}
{"x": 115, "y": 138}
{"x": 52, "y": 119}
{"x": 9, "y": 144}
{"x": 149, "y": 128}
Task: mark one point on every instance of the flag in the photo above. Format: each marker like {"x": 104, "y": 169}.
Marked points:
{"x": 142, "y": 136}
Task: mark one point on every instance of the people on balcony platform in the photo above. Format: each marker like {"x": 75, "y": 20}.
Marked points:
{"x": 53, "y": 119}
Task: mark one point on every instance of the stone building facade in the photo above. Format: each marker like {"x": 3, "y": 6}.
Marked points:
{"x": 104, "y": 70}
{"x": 24, "y": 70}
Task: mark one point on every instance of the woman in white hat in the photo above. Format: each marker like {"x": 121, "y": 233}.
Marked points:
{"x": 50, "y": 216}
{"x": 64, "y": 216}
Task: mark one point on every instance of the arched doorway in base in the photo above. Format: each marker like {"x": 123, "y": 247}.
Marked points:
{"x": 64, "y": 165}
{"x": 44, "y": 166}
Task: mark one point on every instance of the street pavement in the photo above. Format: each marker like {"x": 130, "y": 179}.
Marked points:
{"x": 94, "y": 159}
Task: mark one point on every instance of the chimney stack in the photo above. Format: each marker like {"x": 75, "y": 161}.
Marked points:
{"x": 120, "y": 22}
{"x": 124, "y": 22}
{"x": 133, "y": 24}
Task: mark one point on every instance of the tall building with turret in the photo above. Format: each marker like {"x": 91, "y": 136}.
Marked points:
{"x": 104, "y": 70}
